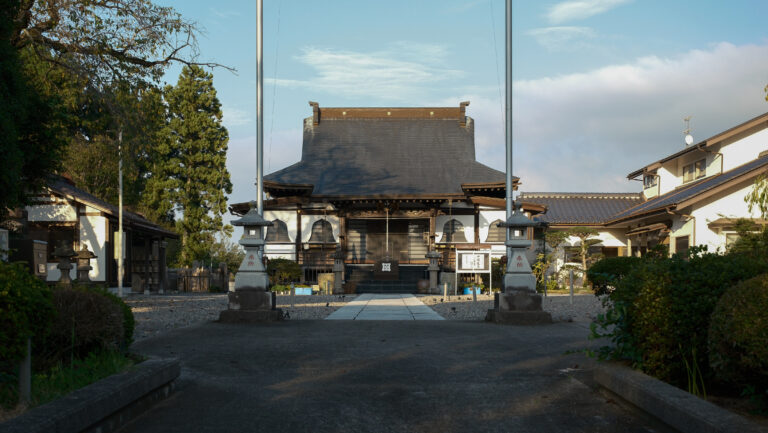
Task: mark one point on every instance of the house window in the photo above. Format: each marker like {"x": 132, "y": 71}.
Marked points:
{"x": 496, "y": 233}
{"x": 453, "y": 231}
{"x": 695, "y": 170}
{"x": 730, "y": 239}
{"x": 278, "y": 232}
{"x": 322, "y": 232}
{"x": 650, "y": 180}
{"x": 681, "y": 244}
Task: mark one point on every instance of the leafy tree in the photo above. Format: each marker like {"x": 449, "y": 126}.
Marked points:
{"x": 190, "y": 174}
{"x": 758, "y": 196}
{"x": 31, "y": 143}
{"x": 586, "y": 240}
{"x": 106, "y": 41}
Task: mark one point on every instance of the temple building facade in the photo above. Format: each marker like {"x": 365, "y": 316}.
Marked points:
{"x": 380, "y": 183}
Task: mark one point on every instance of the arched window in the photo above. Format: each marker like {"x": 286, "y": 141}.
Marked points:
{"x": 453, "y": 231}
{"x": 496, "y": 233}
{"x": 278, "y": 232}
{"x": 322, "y": 232}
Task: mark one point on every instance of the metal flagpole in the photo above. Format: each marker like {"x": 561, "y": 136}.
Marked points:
{"x": 508, "y": 123}
{"x": 260, "y": 113}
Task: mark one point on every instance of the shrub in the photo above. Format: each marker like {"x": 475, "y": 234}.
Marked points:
{"x": 738, "y": 335}
{"x": 85, "y": 321}
{"x": 26, "y": 311}
{"x": 283, "y": 271}
{"x": 129, "y": 323}
{"x": 659, "y": 312}
{"x": 608, "y": 272}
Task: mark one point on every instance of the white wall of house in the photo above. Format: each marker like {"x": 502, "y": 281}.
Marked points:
{"x": 93, "y": 233}
{"x": 681, "y": 226}
{"x": 742, "y": 151}
{"x": 668, "y": 177}
{"x": 52, "y": 212}
{"x": 307, "y": 221}
{"x": 729, "y": 204}
{"x": 468, "y": 221}
{"x": 286, "y": 216}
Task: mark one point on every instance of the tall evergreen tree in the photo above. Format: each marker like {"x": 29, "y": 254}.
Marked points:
{"x": 190, "y": 174}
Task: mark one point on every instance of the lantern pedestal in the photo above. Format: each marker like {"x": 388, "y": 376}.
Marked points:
{"x": 519, "y": 304}
{"x": 251, "y": 301}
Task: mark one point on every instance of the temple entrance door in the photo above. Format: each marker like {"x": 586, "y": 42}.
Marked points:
{"x": 367, "y": 240}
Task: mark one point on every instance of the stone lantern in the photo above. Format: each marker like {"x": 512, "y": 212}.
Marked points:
{"x": 64, "y": 253}
{"x": 84, "y": 257}
{"x": 338, "y": 270}
{"x": 433, "y": 269}
{"x": 519, "y": 303}
{"x": 251, "y": 301}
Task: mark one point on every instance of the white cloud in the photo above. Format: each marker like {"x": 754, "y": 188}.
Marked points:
{"x": 586, "y": 132}
{"x": 580, "y": 9}
{"x": 400, "y": 72}
{"x": 555, "y": 38}
{"x": 235, "y": 117}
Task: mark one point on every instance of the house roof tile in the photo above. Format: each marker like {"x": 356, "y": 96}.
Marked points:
{"x": 580, "y": 208}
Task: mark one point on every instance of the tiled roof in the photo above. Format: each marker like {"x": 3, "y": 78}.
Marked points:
{"x": 368, "y": 156}
{"x": 580, "y": 208}
{"x": 63, "y": 187}
{"x": 691, "y": 190}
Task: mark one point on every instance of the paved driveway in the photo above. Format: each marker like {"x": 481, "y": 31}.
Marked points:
{"x": 385, "y": 307}
{"x": 383, "y": 376}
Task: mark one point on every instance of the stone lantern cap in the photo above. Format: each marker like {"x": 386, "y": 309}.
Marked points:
{"x": 518, "y": 219}
{"x": 338, "y": 254}
{"x": 64, "y": 250}
{"x": 85, "y": 254}
{"x": 252, "y": 218}
{"x": 432, "y": 255}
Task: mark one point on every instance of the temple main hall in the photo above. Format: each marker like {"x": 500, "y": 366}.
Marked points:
{"x": 384, "y": 184}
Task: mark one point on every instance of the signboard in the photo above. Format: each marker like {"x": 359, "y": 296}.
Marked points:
{"x": 470, "y": 262}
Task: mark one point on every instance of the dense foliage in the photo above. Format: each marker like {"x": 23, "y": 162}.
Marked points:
{"x": 190, "y": 175}
{"x": 283, "y": 271}
{"x": 738, "y": 335}
{"x": 86, "y": 321}
{"x": 659, "y": 311}
{"x": 26, "y": 311}
{"x": 608, "y": 272}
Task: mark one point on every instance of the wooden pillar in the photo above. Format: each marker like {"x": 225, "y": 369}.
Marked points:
{"x": 477, "y": 226}
{"x": 298, "y": 233}
{"x": 147, "y": 274}
{"x": 432, "y": 223}
{"x": 343, "y": 231}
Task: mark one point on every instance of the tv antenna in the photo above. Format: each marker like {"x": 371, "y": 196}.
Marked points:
{"x": 687, "y": 131}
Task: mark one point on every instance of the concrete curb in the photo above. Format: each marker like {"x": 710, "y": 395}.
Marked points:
{"x": 675, "y": 407}
{"x": 103, "y": 406}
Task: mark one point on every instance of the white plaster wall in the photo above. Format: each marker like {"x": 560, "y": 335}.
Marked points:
{"x": 681, "y": 226}
{"x": 308, "y": 220}
{"x": 729, "y": 204}
{"x": 668, "y": 179}
{"x": 486, "y": 218}
{"x": 93, "y": 233}
{"x": 52, "y": 212}
{"x": 286, "y": 216}
{"x": 744, "y": 150}
{"x": 467, "y": 220}
{"x": 280, "y": 251}
{"x": 612, "y": 237}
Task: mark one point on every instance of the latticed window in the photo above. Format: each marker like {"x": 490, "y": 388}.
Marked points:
{"x": 278, "y": 232}
{"x": 496, "y": 233}
{"x": 322, "y": 232}
{"x": 453, "y": 231}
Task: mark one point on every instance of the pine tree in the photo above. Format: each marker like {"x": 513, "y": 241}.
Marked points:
{"x": 190, "y": 174}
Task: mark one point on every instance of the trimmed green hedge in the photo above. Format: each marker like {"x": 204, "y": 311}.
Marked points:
{"x": 659, "y": 313}
{"x": 26, "y": 311}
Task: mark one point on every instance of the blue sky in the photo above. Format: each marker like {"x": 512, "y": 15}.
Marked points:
{"x": 601, "y": 86}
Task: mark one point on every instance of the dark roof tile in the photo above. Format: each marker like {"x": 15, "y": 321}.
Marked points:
{"x": 581, "y": 208}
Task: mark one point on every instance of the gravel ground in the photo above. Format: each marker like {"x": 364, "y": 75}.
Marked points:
{"x": 159, "y": 313}
{"x": 584, "y": 308}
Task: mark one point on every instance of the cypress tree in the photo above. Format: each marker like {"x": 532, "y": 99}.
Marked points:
{"x": 190, "y": 174}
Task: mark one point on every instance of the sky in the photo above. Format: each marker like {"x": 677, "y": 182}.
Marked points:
{"x": 600, "y": 87}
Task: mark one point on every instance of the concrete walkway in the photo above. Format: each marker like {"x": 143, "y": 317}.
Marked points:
{"x": 385, "y": 307}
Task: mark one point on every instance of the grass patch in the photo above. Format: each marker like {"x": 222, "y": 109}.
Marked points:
{"x": 63, "y": 379}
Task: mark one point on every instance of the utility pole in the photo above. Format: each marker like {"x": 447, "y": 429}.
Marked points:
{"x": 120, "y": 214}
